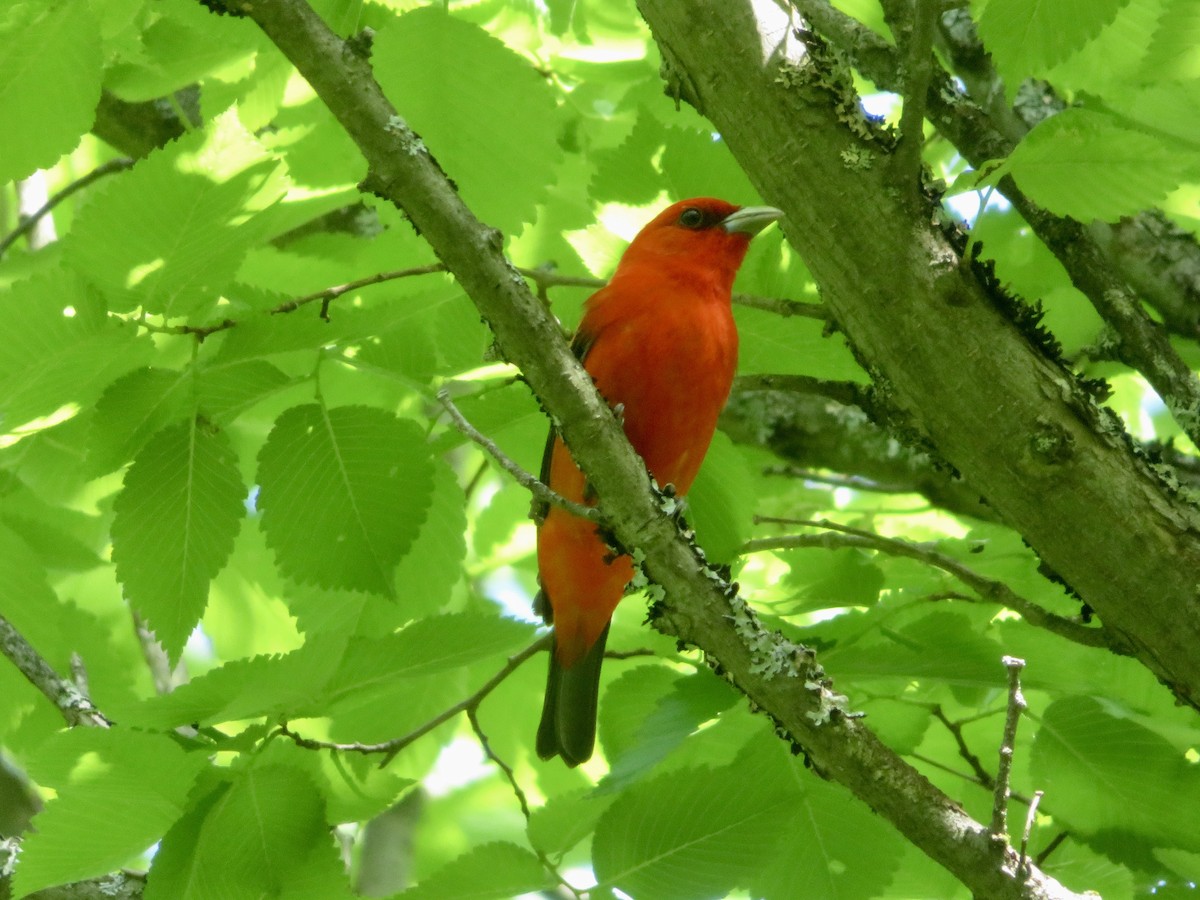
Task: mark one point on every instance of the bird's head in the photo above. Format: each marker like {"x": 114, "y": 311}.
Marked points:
{"x": 702, "y": 233}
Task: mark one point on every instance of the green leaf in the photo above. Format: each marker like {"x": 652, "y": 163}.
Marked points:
{"x": 940, "y": 646}
{"x": 174, "y": 525}
{"x": 117, "y": 792}
{"x": 1084, "y": 165}
{"x": 429, "y": 571}
{"x": 212, "y": 186}
{"x": 60, "y": 349}
{"x": 131, "y": 410}
{"x": 720, "y": 503}
{"x": 285, "y": 685}
{"x": 689, "y": 834}
{"x": 50, "y": 64}
{"x": 1173, "y": 50}
{"x": 692, "y": 701}
{"x": 566, "y": 819}
{"x": 1107, "y": 773}
{"x": 253, "y": 837}
{"x": 497, "y": 870}
{"x": 627, "y": 173}
{"x": 827, "y": 579}
{"x": 1026, "y": 37}
{"x": 827, "y": 835}
{"x": 426, "y": 647}
{"x": 183, "y": 43}
{"x": 227, "y": 391}
{"x": 343, "y": 494}
{"x": 418, "y": 60}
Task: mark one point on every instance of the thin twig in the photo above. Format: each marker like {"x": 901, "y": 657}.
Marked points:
{"x": 988, "y": 589}
{"x": 394, "y": 746}
{"x": 847, "y": 393}
{"x": 785, "y": 308}
{"x": 473, "y": 718}
{"x": 541, "y": 277}
{"x": 76, "y": 707}
{"x": 527, "y": 481}
{"x": 1054, "y": 844}
{"x": 1016, "y": 705}
{"x": 1030, "y": 816}
{"x": 955, "y": 728}
{"x": 918, "y": 69}
{"x": 156, "y": 657}
{"x": 855, "y": 482}
{"x": 30, "y": 221}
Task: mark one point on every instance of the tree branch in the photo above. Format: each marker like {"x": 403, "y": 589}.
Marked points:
{"x": 74, "y": 704}
{"x": 28, "y": 223}
{"x": 699, "y": 608}
{"x": 988, "y": 589}
{"x": 541, "y": 492}
{"x": 933, "y": 334}
{"x": 1144, "y": 345}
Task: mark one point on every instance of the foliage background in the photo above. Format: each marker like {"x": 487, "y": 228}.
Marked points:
{"x": 202, "y": 440}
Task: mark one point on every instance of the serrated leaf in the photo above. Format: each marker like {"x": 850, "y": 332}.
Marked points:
{"x": 60, "y": 350}
{"x": 433, "y": 566}
{"x": 253, "y": 837}
{"x": 226, "y": 391}
{"x": 130, "y": 411}
{"x": 182, "y": 44}
{"x": 688, "y": 834}
{"x": 1107, "y": 773}
{"x": 212, "y": 187}
{"x": 285, "y": 685}
{"x": 1026, "y": 37}
{"x": 498, "y": 871}
{"x": 692, "y": 701}
{"x": 1174, "y": 51}
{"x": 426, "y": 647}
{"x": 626, "y": 173}
{"x": 418, "y": 60}
{"x": 1084, "y": 165}
{"x": 343, "y": 494}
{"x": 118, "y": 791}
{"x": 827, "y": 834}
{"x": 47, "y": 99}
{"x": 566, "y": 819}
{"x": 174, "y": 524}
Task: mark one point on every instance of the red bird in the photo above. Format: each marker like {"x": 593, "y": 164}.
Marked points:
{"x": 660, "y": 342}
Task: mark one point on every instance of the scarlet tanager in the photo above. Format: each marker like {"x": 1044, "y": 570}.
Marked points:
{"x": 660, "y": 342}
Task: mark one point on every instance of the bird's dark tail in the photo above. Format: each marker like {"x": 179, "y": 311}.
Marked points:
{"x": 568, "y": 727}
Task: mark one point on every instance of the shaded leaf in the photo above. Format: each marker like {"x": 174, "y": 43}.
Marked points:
{"x": 494, "y": 870}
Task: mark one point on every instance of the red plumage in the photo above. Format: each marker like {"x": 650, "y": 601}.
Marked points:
{"x": 659, "y": 340}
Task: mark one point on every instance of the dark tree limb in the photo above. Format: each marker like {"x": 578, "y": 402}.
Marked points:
{"x": 1142, "y": 343}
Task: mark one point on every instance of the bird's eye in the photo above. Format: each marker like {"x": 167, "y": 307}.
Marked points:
{"x": 691, "y": 218}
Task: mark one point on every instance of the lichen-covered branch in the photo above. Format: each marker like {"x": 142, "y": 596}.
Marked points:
{"x": 74, "y": 704}
{"x": 698, "y": 607}
{"x": 983, "y": 131}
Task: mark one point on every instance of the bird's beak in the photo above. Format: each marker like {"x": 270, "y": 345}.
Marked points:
{"x": 750, "y": 219}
